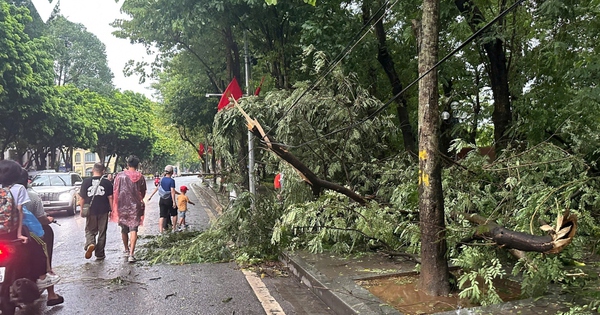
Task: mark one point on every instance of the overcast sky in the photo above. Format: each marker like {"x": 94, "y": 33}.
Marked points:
{"x": 96, "y": 16}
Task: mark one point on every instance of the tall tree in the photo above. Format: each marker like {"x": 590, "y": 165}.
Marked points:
{"x": 497, "y": 68}
{"x": 434, "y": 273}
{"x": 25, "y": 77}
{"x": 80, "y": 57}
{"x": 125, "y": 121}
{"x": 387, "y": 63}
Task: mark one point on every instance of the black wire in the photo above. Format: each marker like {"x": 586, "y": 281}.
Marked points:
{"x": 335, "y": 61}
{"x": 389, "y": 102}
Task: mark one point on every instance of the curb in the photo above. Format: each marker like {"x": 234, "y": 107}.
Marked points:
{"x": 342, "y": 294}
{"x": 211, "y": 200}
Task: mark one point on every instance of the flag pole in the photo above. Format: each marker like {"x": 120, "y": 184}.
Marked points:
{"x": 251, "y": 179}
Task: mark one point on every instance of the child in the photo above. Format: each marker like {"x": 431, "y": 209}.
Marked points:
{"x": 182, "y": 201}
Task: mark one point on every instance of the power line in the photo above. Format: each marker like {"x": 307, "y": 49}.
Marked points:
{"x": 389, "y": 102}
{"x": 379, "y": 14}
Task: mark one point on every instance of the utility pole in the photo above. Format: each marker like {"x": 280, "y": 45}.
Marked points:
{"x": 251, "y": 185}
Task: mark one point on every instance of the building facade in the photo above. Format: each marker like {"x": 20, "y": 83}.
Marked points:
{"x": 83, "y": 161}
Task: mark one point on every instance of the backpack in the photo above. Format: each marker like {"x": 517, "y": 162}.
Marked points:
{"x": 8, "y": 209}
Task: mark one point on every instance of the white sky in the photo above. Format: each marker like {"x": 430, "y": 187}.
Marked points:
{"x": 96, "y": 16}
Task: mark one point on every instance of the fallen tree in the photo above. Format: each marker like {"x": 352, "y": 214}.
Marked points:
{"x": 558, "y": 237}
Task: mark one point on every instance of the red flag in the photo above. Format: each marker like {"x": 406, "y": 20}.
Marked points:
{"x": 200, "y": 150}
{"x": 232, "y": 90}
{"x": 259, "y": 86}
{"x": 277, "y": 181}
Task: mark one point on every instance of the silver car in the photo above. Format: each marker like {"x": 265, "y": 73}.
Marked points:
{"x": 59, "y": 191}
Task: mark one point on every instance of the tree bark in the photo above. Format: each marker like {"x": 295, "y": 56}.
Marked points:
{"x": 388, "y": 65}
{"x": 497, "y": 71}
{"x": 434, "y": 275}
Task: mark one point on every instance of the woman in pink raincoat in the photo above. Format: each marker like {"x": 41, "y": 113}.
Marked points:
{"x": 128, "y": 197}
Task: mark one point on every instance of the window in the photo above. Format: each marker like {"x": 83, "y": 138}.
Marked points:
{"x": 88, "y": 171}
{"x": 90, "y": 157}
{"x": 78, "y": 158}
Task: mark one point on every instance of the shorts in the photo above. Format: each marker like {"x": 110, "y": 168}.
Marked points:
{"x": 182, "y": 214}
{"x": 125, "y": 229}
{"x": 166, "y": 208}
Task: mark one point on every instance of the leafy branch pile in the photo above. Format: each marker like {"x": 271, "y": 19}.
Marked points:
{"x": 522, "y": 190}
{"x": 242, "y": 233}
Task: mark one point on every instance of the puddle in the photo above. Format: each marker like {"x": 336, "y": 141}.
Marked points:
{"x": 401, "y": 293}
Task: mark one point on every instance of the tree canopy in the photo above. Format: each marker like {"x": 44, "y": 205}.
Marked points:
{"x": 340, "y": 96}
{"x": 56, "y": 94}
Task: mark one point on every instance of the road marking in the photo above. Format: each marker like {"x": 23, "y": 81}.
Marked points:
{"x": 269, "y": 304}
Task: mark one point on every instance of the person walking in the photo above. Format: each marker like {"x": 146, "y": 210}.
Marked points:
{"x": 128, "y": 199}
{"x": 182, "y": 201}
{"x": 96, "y": 191}
{"x": 168, "y": 207}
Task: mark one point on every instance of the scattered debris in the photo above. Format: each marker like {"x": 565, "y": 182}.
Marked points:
{"x": 170, "y": 295}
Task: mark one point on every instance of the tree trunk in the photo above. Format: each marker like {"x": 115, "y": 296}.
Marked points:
{"x": 53, "y": 161}
{"x": 388, "y": 65}
{"x": 102, "y": 153}
{"x": 559, "y": 236}
{"x": 243, "y": 159}
{"x": 497, "y": 71}
{"x": 434, "y": 275}
{"x": 42, "y": 156}
{"x": 232, "y": 54}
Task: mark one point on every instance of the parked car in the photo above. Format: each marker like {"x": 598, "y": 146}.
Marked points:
{"x": 59, "y": 191}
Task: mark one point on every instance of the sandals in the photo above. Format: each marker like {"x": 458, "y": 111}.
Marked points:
{"x": 58, "y": 300}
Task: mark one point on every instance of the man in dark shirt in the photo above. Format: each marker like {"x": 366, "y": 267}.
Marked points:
{"x": 96, "y": 191}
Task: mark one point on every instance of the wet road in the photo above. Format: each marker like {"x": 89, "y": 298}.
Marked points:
{"x": 114, "y": 286}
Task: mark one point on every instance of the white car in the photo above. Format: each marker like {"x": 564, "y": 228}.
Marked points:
{"x": 59, "y": 191}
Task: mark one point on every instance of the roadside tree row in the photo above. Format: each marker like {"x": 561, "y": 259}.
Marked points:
{"x": 56, "y": 94}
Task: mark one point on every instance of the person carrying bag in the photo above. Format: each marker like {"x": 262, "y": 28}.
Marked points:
{"x": 99, "y": 192}
{"x": 85, "y": 210}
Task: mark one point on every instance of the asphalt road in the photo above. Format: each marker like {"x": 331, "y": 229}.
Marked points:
{"x": 114, "y": 286}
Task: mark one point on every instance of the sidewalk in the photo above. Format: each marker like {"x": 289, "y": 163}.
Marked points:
{"x": 333, "y": 279}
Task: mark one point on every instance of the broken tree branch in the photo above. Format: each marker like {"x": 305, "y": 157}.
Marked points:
{"x": 557, "y": 239}
{"x": 317, "y": 184}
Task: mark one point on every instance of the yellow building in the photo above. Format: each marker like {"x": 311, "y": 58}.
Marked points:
{"x": 83, "y": 161}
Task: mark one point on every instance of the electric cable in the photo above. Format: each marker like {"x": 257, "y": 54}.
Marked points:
{"x": 389, "y": 102}
{"x": 357, "y": 38}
